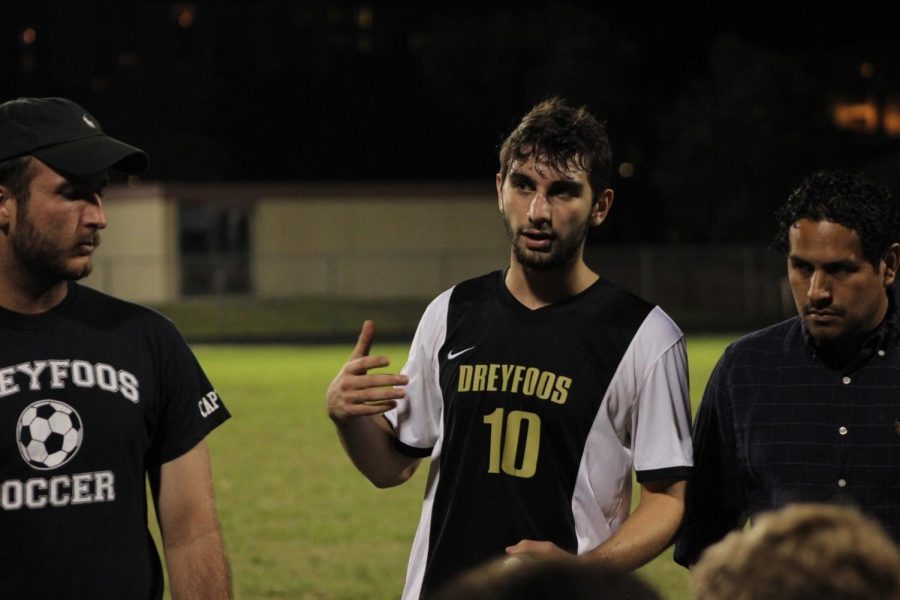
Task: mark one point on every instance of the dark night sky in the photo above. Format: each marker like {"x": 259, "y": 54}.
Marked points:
{"x": 701, "y": 103}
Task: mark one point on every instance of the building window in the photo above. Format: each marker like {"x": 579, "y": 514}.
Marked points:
{"x": 215, "y": 248}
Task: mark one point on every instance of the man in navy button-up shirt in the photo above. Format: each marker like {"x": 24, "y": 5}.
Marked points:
{"x": 809, "y": 409}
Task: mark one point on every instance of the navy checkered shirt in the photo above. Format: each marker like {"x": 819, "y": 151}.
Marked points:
{"x": 778, "y": 426}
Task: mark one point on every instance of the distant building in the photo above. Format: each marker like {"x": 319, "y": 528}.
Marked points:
{"x": 359, "y": 240}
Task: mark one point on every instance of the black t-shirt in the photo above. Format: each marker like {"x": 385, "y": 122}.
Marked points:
{"x": 94, "y": 394}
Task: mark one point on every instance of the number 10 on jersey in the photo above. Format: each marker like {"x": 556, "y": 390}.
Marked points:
{"x": 506, "y": 438}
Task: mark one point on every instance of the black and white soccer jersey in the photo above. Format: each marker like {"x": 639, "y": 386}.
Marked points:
{"x": 534, "y": 420}
{"x": 94, "y": 394}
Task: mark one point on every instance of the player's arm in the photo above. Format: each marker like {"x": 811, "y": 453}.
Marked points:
{"x": 643, "y": 535}
{"x": 647, "y": 531}
{"x": 356, "y": 401}
{"x": 192, "y": 541}
{"x": 661, "y": 426}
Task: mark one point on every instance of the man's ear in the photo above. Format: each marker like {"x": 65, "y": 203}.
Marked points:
{"x": 600, "y": 209}
{"x": 891, "y": 263}
{"x": 499, "y": 180}
{"x": 5, "y": 209}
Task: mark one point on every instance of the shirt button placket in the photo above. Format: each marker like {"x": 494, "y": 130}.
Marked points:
{"x": 842, "y": 431}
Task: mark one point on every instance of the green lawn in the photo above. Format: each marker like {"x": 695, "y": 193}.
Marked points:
{"x": 299, "y": 521}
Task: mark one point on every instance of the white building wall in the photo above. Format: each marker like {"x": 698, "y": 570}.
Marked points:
{"x": 138, "y": 254}
{"x": 374, "y": 247}
{"x": 338, "y": 240}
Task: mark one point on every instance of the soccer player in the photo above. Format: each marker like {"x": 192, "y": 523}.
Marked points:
{"x": 95, "y": 393}
{"x": 808, "y": 410}
{"x": 535, "y": 390}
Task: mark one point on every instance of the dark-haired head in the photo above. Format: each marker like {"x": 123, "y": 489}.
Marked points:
{"x": 562, "y": 137}
{"x": 848, "y": 199}
{"x": 546, "y": 579}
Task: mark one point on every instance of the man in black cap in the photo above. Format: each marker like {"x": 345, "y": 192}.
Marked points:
{"x": 95, "y": 393}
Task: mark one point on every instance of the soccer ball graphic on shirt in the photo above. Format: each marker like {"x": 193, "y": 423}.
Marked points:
{"x": 49, "y": 434}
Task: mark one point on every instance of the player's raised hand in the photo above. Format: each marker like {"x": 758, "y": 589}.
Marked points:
{"x": 354, "y": 392}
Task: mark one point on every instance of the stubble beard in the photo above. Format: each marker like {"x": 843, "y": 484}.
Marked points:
{"x": 565, "y": 251}
{"x": 42, "y": 258}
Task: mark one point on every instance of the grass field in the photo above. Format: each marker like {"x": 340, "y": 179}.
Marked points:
{"x": 299, "y": 521}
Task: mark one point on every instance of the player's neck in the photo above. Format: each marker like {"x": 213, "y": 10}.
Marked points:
{"x": 22, "y": 294}
{"x": 535, "y": 288}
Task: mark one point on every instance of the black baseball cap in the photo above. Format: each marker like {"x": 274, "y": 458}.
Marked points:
{"x": 65, "y": 137}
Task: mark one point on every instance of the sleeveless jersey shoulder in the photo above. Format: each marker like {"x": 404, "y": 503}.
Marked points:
{"x": 616, "y": 315}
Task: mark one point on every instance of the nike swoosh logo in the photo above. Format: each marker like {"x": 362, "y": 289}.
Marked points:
{"x": 451, "y": 354}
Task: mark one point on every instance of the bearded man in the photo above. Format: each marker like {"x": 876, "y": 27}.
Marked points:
{"x": 535, "y": 390}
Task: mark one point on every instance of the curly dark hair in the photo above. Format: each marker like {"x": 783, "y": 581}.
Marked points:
{"x": 849, "y": 199}
{"x": 561, "y": 136}
{"x": 16, "y": 175}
